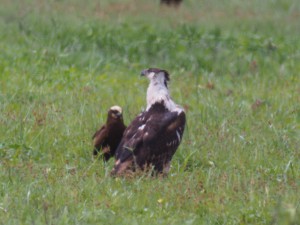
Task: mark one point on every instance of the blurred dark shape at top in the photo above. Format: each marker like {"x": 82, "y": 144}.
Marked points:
{"x": 171, "y": 2}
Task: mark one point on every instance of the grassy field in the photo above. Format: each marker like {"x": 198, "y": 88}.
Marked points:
{"x": 234, "y": 66}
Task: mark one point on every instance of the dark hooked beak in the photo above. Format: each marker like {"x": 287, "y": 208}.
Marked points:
{"x": 118, "y": 114}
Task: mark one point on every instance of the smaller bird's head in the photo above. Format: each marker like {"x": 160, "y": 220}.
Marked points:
{"x": 115, "y": 112}
{"x": 156, "y": 75}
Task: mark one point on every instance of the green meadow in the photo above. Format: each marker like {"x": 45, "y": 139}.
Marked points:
{"x": 234, "y": 66}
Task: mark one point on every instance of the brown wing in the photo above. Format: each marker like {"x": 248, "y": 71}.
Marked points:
{"x": 150, "y": 130}
{"x": 142, "y": 136}
{"x": 99, "y": 139}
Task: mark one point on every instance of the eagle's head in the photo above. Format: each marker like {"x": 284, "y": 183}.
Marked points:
{"x": 115, "y": 113}
{"x": 158, "y": 91}
{"x": 157, "y": 76}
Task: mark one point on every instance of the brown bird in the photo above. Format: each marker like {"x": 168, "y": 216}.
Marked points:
{"x": 154, "y": 135}
{"x": 108, "y": 137}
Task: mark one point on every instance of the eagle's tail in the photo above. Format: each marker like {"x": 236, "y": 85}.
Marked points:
{"x": 121, "y": 167}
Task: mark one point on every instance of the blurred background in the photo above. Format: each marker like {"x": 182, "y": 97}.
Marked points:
{"x": 234, "y": 67}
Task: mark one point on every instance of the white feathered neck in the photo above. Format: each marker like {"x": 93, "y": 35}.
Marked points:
{"x": 157, "y": 92}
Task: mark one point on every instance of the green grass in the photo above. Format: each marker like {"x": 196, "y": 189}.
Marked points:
{"x": 235, "y": 68}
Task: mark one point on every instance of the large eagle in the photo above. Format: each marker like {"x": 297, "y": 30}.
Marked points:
{"x": 152, "y": 138}
{"x": 108, "y": 137}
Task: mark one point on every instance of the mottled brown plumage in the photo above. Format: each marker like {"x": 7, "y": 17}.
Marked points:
{"x": 152, "y": 138}
{"x": 108, "y": 137}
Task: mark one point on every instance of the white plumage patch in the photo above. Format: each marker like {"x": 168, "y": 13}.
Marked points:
{"x": 142, "y": 127}
{"x": 117, "y": 108}
{"x": 158, "y": 92}
{"x": 178, "y": 136}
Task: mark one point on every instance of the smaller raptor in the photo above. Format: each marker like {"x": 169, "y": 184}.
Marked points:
{"x": 108, "y": 137}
